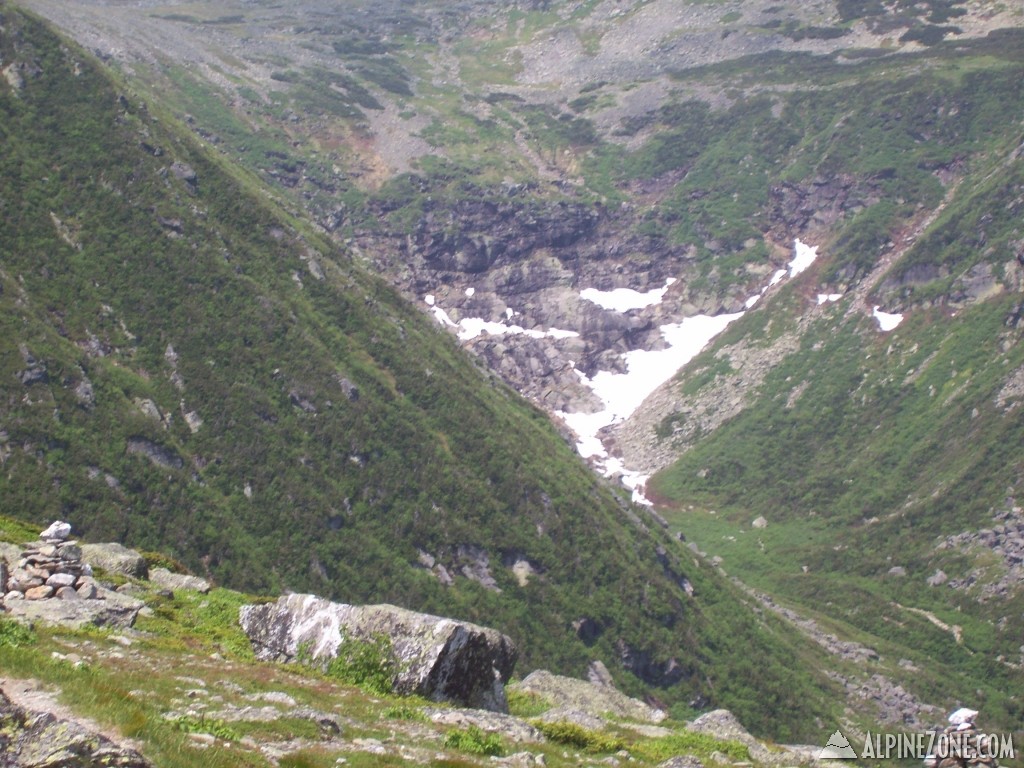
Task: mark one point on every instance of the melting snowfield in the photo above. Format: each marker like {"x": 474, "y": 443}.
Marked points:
{"x": 646, "y": 370}
{"x": 886, "y": 321}
{"x": 625, "y": 299}
{"x": 622, "y": 393}
{"x": 471, "y": 327}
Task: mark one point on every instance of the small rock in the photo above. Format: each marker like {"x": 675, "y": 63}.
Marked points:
{"x": 39, "y": 593}
{"x": 69, "y": 551}
{"x": 68, "y": 593}
{"x": 59, "y": 580}
{"x": 58, "y": 531}
{"x": 511, "y": 728}
{"x": 598, "y": 674}
{"x": 39, "y": 738}
{"x": 116, "y": 558}
{"x": 185, "y": 172}
{"x": 373, "y": 746}
{"x": 598, "y": 700}
{"x": 87, "y": 591}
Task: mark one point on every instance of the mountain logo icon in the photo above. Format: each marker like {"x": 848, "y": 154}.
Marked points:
{"x": 838, "y": 748}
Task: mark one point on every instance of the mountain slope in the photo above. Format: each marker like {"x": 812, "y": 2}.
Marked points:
{"x": 187, "y": 367}
{"x": 887, "y": 463}
{"x": 503, "y": 158}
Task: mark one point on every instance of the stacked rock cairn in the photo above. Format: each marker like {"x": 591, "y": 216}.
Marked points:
{"x": 961, "y": 745}
{"x": 49, "y": 568}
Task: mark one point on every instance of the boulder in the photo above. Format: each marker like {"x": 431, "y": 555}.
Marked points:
{"x": 58, "y": 531}
{"x": 10, "y": 553}
{"x": 174, "y": 581}
{"x": 683, "y": 761}
{"x": 105, "y": 609}
{"x": 437, "y": 658}
{"x": 31, "y": 738}
{"x": 595, "y": 699}
{"x": 508, "y": 727}
{"x": 723, "y": 724}
{"x": 115, "y": 558}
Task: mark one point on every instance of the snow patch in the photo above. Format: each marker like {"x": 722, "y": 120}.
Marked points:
{"x": 471, "y": 327}
{"x": 827, "y": 297}
{"x": 777, "y": 278}
{"x": 442, "y": 317}
{"x": 804, "y": 256}
{"x": 625, "y": 299}
{"x": 886, "y": 321}
{"x": 470, "y": 292}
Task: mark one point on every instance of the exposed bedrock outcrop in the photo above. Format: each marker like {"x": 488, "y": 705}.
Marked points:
{"x": 29, "y": 738}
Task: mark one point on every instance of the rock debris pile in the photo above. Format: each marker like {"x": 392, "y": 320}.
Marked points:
{"x": 50, "y": 581}
{"x": 50, "y": 568}
{"x": 961, "y": 745}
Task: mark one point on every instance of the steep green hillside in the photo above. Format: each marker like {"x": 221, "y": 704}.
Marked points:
{"x": 186, "y": 367}
{"x": 880, "y": 458}
{"x": 183, "y": 687}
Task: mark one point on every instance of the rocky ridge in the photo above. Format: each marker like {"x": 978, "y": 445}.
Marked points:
{"x": 215, "y": 703}
{"x": 37, "y": 738}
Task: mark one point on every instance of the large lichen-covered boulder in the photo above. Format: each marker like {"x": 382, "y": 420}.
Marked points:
{"x": 116, "y": 558}
{"x": 162, "y": 577}
{"x": 106, "y": 608}
{"x": 437, "y": 658}
{"x": 568, "y": 694}
{"x": 30, "y": 738}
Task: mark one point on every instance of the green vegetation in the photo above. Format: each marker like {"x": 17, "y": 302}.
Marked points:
{"x": 526, "y": 703}
{"x": 403, "y": 712}
{"x": 193, "y": 724}
{"x": 859, "y": 474}
{"x": 573, "y": 735}
{"x": 366, "y": 663}
{"x": 13, "y": 634}
{"x": 191, "y": 369}
{"x": 474, "y": 741}
{"x": 692, "y": 743}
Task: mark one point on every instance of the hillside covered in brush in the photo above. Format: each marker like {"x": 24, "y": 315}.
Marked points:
{"x": 512, "y": 171}
{"x": 188, "y": 367}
